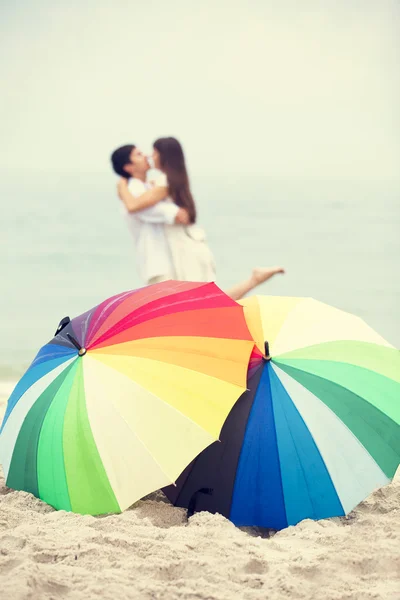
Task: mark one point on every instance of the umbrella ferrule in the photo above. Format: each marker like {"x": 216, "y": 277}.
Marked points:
{"x": 81, "y": 351}
{"x": 266, "y": 356}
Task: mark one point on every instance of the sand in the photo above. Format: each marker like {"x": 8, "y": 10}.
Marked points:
{"x": 152, "y": 552}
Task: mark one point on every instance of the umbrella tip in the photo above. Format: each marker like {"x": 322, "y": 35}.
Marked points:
{"x": 81, "y": 350}
{"x": 266, "y": 356}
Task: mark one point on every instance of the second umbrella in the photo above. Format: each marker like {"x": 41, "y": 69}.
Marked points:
{"x": 319, "y": 428}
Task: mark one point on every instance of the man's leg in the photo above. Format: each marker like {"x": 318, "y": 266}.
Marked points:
{"x": 258, "y": 276}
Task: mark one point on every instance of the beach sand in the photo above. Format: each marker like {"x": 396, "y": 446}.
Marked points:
{"x": 152, "y": 552}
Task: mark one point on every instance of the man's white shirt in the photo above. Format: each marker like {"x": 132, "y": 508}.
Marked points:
{"x": 147, "y": 229}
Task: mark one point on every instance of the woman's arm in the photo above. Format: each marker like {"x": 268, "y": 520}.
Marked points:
{"x": 148, "y": 198}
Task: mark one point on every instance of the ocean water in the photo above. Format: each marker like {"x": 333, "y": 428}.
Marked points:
{"x": 64, "y": 247}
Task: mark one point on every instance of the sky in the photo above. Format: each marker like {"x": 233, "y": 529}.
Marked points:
{"x": 257, "y": 87}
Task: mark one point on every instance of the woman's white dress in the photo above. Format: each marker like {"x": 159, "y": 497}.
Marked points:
{"x": 192, "y": 259}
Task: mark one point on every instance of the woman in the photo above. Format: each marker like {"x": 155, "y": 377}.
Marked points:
{"x": 191, "y": 258}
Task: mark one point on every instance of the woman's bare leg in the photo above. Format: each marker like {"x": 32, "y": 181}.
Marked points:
{"x": 258, "y": 276}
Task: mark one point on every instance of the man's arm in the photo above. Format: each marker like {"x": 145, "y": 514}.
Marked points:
{"x": 163, "y": 212}
{"x": 166, "y": 213}
{"x": 135, "y": 204}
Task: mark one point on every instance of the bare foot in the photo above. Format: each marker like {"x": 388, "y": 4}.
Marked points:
{"x": 260, "y": 274}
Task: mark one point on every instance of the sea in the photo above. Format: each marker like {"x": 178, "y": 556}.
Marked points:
{"x": 65, "y": 247}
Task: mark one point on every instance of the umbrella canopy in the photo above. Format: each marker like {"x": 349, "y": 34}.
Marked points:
{"x": 124, "y": 396}
{"x": 318, "y": 429}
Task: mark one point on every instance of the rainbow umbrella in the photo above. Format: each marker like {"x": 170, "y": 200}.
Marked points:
{"x": 318, "y": 429}
{"x": 125, "y": 396}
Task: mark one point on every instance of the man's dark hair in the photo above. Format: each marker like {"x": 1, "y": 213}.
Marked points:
{"x": 121, "y": 157}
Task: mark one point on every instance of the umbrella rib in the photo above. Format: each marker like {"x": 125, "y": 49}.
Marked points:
{"x": 281, "y": 357}
{"x": 344, "y": 455}
{"x": 300, "y": 462}
{"x": 337, "y": 417}
{"x": 143, "y": 444}
{"x": 282, "y": 365}
{"x": 301, "y": 300}
{"x": 355, "y": 318}
{"x": 192, "y": 352}
{"x": 176, "y": 293}
{"x": 93, "y": 323}
{"x": 243, "y": 389}
{"x": 173, "y": 408}
{"x": 172, "y": 481}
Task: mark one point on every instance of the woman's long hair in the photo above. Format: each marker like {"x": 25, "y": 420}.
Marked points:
{"x": 172, "y": 161}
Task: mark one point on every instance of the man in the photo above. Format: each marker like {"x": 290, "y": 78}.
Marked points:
{"x": 147, "y": 219}
{"x": 147, "y": 224}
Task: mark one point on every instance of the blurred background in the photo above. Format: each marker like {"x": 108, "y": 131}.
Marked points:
{"x": 288, "y": 114}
